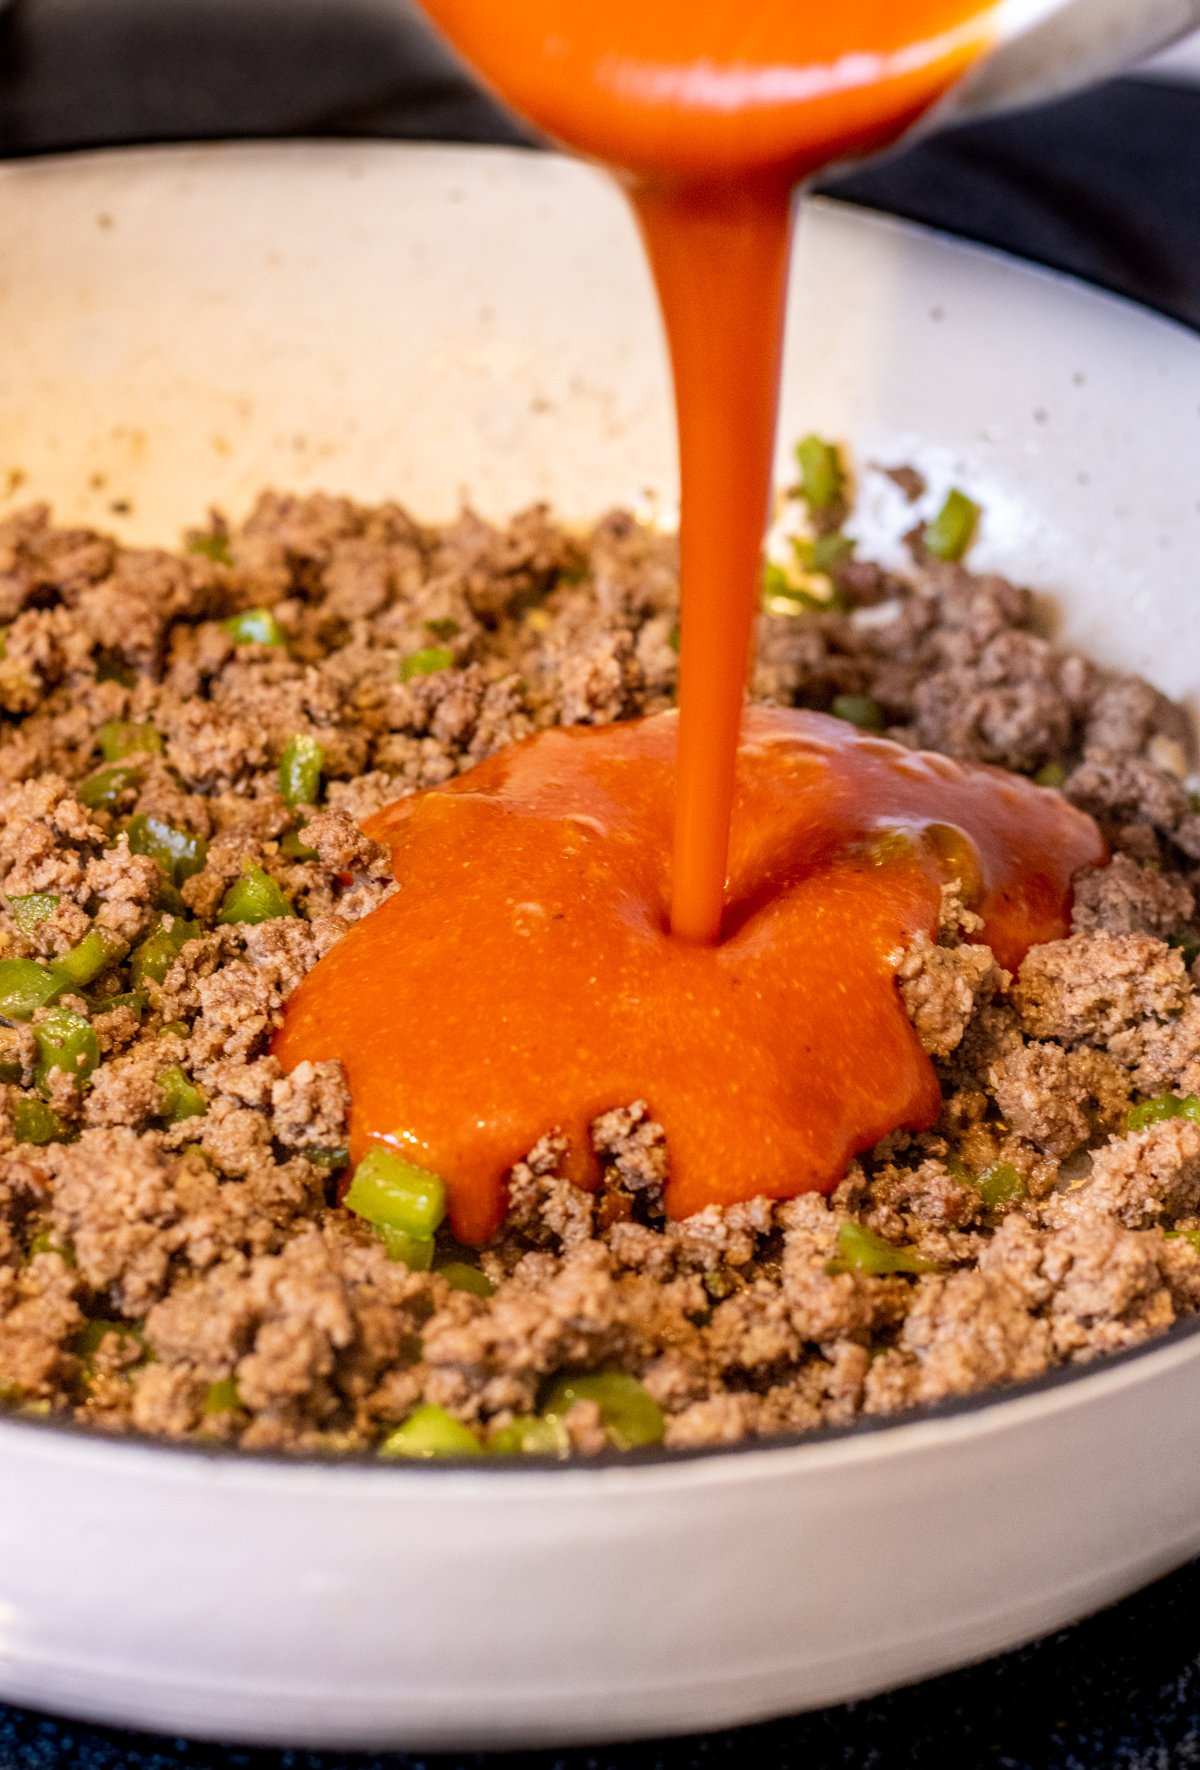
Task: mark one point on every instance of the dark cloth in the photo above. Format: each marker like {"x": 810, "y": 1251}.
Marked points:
{"x": 94, "y": 73}
{"x": 1106, "y": 185}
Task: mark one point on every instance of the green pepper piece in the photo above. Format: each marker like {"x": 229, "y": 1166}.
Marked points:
{"x": 1000, "y": 1185}
{"x": 953, "y": 528}
{"x": 300, "y": 771}
{"x": 673, "y": 637}
{"x": 327, "y": 1160}
{"x": 131, "y": 998}
{"x": 255, "y": 897}
{"x": 222, "y": 1396}
{"x": 719, "y": 1285}
{"x": 1187, "y": 944}
{"x": 822, "y": 477}
{"x": 294, "y": 847}
{"x": 168, "y": 898}
{"x": 35, "y": 1122}
{"x": 1051, "y": 774}
{"x": 827, "y": 552}
{"x": 425, "y": 662}
{"x": 44, "y": 1243}
{"x": 414, "y": 1251}
{"x": 1163, "y": 1106}
{"x": 65, "y": 1041}
{"x": 158, "y": 952}
{"x": 93, "y": 954}
{"x": 26, "y": 986}
{"x": 111, "y": 667}
{"x": 396, "y": 1194}
{"x": 860, "y": 710}
{"x": 181, "y": 1098}
{"x": 90, "y": 1337}
{"x": 254, "y": 626}
{"x": 460, "y": 1275}
{"x": 529, "y": 1436}
{"x": 781, "y": 597}
{"x": 822, "y": 554}
{"x": 442, "y": 629}
{"x": 861, "y": 1250}
{"x": 31, "y": 908}
{"x": 629, "y": 1414}
{"x": 108, "y": 786}
{"x": 178, "y": 852}
{"x": 214, "y": 547}
{"x": 431, "y": 1432}
{"x": 118, "y": 738}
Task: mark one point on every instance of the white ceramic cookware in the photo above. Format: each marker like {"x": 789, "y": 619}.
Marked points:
{"x": 182, "y": 327}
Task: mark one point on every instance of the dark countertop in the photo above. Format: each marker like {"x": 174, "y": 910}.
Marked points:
{"x": 1106, "y": 185}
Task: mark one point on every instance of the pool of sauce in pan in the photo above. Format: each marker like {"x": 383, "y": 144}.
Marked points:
{"x": 648, "y": 911}
{"x": 524, "y": 975}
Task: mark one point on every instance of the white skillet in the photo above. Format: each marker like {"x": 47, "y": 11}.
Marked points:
{"x": 183, "y": 327}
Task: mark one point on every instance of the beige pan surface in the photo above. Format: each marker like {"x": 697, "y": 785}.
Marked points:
{"x": 182, "y": 327}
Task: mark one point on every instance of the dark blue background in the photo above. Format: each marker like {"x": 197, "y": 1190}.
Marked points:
{"x": 1106, "y": 185}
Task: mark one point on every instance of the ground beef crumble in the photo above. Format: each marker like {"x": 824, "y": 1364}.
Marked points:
{"x": 193, "y": 1275}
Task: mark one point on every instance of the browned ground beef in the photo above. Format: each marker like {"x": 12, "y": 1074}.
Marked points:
{"x": 218, "y": 1236}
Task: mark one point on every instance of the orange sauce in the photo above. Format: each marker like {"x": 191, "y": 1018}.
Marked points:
{"x": 524, "y": 974}
{"x": 712, "y": 110}
{"x": 548, "y": 956}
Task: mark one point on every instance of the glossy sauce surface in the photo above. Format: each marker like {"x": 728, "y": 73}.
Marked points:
{"x": 524, "y": 976}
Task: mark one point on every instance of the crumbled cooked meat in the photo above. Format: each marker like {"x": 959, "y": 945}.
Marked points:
{"x": 1056, "y": 1098}
{"x": 1086, "y": 989}
{"x": 635, "y": 1147}
{"x": 1142, "y": 1178}
{"x": 1108, "y": 1288}
{"x": 1004, "y": 706}
{"x": 342, "y": 848}
{"x": 174, "y": 1259}
{"x": 930, "y": 1194}
{"x": 907, "y": 479}
{"x": 969, "y": 1331}
{"x": 942, "y": 987}
{"x": 1125, "y": 898}
{"x": 309, "y": 1107}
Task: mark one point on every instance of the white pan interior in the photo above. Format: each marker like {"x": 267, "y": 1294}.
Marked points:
{"x": 185, "y": 326}
{"x": 181, "y": 328}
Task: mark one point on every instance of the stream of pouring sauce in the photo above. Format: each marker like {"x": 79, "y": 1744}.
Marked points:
{"x": 545, "y": 958}
{"x": 712, "y": 111}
